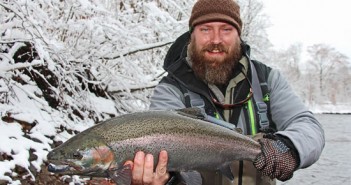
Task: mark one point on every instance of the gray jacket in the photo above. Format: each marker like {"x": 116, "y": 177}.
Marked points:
{"x": 290, "y": 116}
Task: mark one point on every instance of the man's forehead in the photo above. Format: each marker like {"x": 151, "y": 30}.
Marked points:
{"x": 215, "y": 23}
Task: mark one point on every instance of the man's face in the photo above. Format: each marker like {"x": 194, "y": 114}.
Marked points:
{"x": 215, "y": 50}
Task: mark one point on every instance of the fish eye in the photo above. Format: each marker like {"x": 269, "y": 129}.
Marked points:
{"x": 77, "y": 155}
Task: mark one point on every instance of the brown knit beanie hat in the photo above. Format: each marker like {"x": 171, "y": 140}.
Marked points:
{"x": 216, "y": 10}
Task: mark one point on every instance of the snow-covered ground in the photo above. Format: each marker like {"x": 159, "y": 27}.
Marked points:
{"x": 334, "y": 165}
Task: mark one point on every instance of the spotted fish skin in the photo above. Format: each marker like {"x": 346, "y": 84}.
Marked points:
{"x": 192, "y": 144}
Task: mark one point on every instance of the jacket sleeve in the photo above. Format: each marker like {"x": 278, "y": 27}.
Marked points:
{"x": 294, "y": 120}
{"x": 166, "y": 97}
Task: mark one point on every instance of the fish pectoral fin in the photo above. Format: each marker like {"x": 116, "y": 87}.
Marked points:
{"x": 191, "y": 177}
{"x": 121, "y": 176}
{"x": 227, "y": 171}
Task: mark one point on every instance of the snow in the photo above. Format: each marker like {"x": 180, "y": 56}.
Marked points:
{"x": 100, "y": 63}
{"x": 87, "y": 62}
{"x": 11, "y": 135}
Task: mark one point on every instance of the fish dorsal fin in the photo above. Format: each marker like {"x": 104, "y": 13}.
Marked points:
{"x": 239, "y": 130}
{"x": 227, "y": 171}
{"x": 121, "y": 176}
{"x": 191, "y": 177}
{"x": 192, "y": 112}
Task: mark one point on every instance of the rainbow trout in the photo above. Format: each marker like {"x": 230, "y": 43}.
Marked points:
{"x": 192, "y": 144}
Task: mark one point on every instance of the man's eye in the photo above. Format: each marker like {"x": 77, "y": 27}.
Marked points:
{"x": 204, "y": 29}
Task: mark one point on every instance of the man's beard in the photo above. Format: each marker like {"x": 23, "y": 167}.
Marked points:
{"x": 214, "y": 71}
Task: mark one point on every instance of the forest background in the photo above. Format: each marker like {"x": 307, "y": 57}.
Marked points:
{"x": 66, "y": 65}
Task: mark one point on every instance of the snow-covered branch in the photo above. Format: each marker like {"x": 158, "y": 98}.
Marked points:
{"x": 133, "y": 88}
{"x": 140, "y": 48}
{"x": 18, "y": 66}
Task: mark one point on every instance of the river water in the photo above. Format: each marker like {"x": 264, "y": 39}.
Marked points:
{"x": 334, "y": 165}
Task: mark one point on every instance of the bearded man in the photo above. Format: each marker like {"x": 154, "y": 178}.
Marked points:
{"x": 210, "y": 67}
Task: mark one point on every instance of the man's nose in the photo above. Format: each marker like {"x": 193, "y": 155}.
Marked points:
{"x": 216, "y": 37}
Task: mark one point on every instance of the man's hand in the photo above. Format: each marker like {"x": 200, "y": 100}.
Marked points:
{"x": 277, "y": 160}
{"x": 143, "y": 169}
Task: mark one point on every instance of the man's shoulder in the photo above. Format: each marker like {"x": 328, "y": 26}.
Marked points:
{"x": 176, "y": 51}
{"x": 169, "y": 79}
{"x": 262, "y": 69}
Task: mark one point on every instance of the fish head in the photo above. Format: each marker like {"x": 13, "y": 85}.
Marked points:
{"x": 77, "y": 156}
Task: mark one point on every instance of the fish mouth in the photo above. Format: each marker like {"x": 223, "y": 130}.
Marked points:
{"x": 63, "y": 167}
{"x": 57, "y": 168}
{"x": 71, "y": 169}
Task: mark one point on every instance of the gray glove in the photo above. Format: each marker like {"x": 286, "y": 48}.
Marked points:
{"x": 278, "y": 158}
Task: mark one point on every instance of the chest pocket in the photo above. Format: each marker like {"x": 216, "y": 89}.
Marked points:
{"x": 194, "y": 100}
